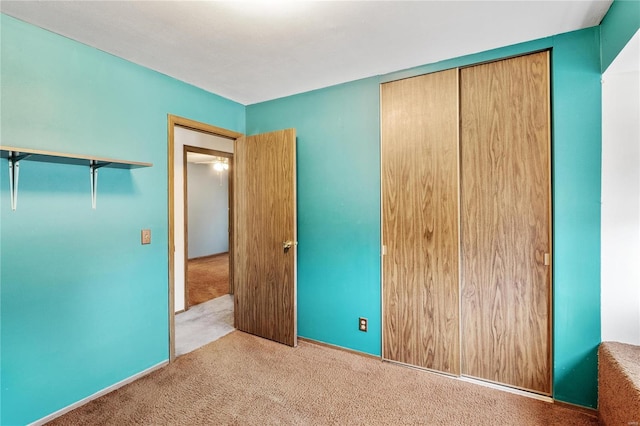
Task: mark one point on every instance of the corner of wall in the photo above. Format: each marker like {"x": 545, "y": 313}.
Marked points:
{"x": 616, "y": 29}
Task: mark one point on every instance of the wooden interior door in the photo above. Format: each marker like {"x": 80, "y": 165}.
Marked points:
{"x": 419, "y": 144}
{"x": 264, "y": 226}
{"x": 505, "y": 222}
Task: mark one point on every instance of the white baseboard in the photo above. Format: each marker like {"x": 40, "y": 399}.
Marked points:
{"x": 98, "y": 394}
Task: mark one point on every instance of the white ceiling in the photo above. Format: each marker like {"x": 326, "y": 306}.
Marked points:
{"x": 256, "y": 51}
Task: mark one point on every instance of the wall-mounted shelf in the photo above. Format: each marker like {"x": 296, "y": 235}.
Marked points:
{"x": 15, "y": 154}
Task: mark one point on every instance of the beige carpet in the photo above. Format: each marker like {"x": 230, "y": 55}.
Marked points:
{"x": 619, "y": 383}
{"x": 208, "y": 278}
{"x": 244, "y": 380}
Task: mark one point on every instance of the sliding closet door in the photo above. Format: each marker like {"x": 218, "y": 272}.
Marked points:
{"x": 505, "y": 222}
{"x": 420, "y": 221}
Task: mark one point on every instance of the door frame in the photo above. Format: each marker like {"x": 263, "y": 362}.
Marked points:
{"x": 172, "y": 121}
{"x": 216, "y": 153}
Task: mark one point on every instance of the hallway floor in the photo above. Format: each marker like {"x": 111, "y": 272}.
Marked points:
{"x": 204, "y": 323}
{"x": 208, "y": 278}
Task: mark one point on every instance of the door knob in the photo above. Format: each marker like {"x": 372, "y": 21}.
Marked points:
{"x": 286, "y": 245}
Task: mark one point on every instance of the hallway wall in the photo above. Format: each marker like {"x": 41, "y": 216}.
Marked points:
{"x": 208, "y": 206}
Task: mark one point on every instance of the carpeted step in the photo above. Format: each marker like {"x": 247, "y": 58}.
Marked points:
{"x": 619, "y": 384}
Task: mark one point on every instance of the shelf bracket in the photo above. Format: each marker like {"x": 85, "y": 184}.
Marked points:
{"x": 14, "y": 173}
{"x": 94, "y": 165}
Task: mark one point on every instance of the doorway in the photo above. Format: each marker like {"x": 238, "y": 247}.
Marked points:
{"x": 195, "y": 135}
{"x": 208, "y": 304}
{"x": 263, "y": 256}
{"x": 207, "y": 212}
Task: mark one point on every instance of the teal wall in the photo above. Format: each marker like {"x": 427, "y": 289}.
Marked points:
{"x": 83, "y": 304}
{"x": 576, "y": 157}
{"x": 618, "y": 26}
{"x": 339, "y": 205}
{"x": 338, "y": 158}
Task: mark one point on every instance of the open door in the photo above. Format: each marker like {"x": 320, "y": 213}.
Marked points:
{"x": 265, "y": 236}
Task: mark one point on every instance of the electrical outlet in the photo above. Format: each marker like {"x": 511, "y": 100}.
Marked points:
{"x": 145, "y": 236}
{"x": 362, "y": 324}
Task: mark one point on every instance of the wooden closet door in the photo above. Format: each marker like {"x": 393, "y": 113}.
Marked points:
{"x": 420, "y": 221}
{"x": 505, "y": 222}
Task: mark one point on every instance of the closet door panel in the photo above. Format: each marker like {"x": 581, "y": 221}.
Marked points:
{"x": 419, "y": 148}
{"x": 505, "y": 222}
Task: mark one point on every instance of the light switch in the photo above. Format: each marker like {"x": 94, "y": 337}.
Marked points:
{"x": 145, "y": 236}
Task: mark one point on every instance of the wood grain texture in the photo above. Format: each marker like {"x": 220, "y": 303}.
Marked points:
{"x": 505, "y": 222}
{"x": 265, "y": 217}
{"x": 171, "y": 245}
{"x": 420, "y": 221}
{"x": 175, "y": 120}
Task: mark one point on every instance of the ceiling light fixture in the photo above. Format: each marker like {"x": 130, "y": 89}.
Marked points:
{"x": 220, "y": 166}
